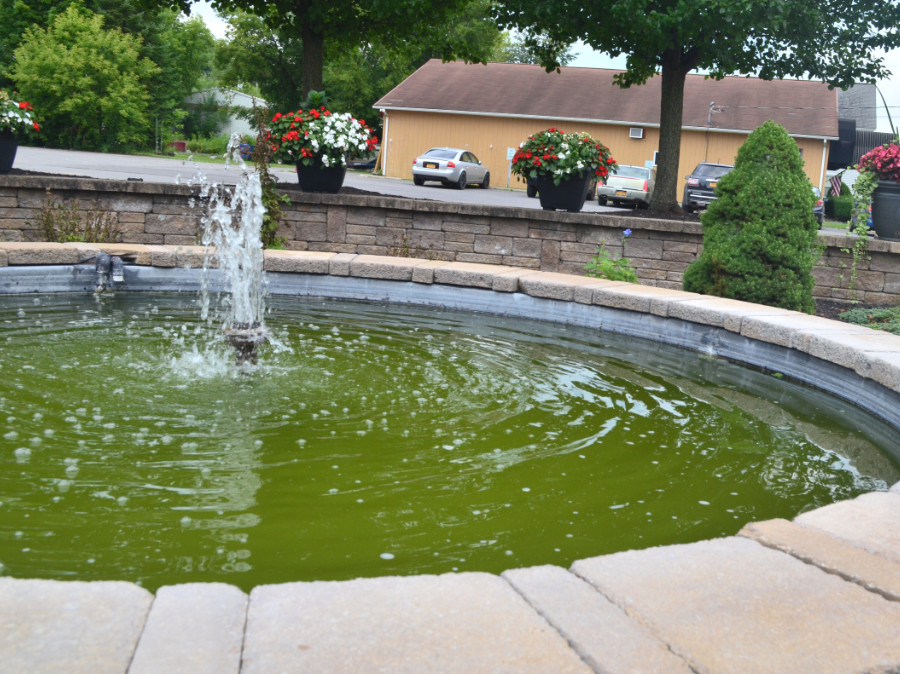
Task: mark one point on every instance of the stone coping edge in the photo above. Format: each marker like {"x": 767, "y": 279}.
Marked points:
{"x": 871, "y": 354}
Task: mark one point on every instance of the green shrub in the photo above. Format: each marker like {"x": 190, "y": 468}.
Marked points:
{"x": 760, "y": 237}
{"x": 842, "y": 209}
{"x": 213, "y": 145}
{"x": 887, "y": 318}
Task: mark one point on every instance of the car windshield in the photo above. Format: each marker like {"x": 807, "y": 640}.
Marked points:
{"x": 440, "y": 153}
{"x": 633, "y": 172}
{"x": 712, "y": 170}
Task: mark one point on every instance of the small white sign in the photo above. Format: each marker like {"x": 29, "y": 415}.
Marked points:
{"x": 510, "y": 153}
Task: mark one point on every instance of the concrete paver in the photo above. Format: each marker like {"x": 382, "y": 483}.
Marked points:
{"x": 830, "y": 554}
{"x": 468, "y": 622}
{"x": 601, "y": 632}
{"x": 69, "y": 626}
{"x": 733, "y": 605}
{"x": 197, "y": 628}
{"x": 871, "y": 521}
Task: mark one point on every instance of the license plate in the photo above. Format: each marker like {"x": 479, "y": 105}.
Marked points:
{"x": 621, "y": 193}
{"x": 430, "y": 164}
{"x": 712, "y": 184}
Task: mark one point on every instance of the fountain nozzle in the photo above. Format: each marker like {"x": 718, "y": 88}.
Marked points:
{"x": 246, "y": 338}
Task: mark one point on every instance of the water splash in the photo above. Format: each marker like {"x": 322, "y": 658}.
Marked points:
{"x": 232, "y": 236}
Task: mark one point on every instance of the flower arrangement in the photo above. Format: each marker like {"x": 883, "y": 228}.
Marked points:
{"x": 318, "y": 134}
{"x": 562, "y": 155}
{"x": 883, "y": 161}
{"x": 16, "y": 116}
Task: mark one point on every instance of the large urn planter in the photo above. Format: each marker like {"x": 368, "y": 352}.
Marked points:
{"x": 320, "y": 178}
{"x": 9, "y": 144}
{"x": 886, "y": 210}
{"x": 569, "y": 195}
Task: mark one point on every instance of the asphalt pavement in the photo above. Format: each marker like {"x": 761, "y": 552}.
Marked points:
{"x": 171, "y": 170}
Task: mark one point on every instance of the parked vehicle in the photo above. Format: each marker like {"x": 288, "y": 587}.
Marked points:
{"x": 630, "y": 185}
{"x": 699, "y": 191}
{"x": 450, "y": 166}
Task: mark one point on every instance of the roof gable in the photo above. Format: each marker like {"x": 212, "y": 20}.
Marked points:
{"x": 803, "y": 107}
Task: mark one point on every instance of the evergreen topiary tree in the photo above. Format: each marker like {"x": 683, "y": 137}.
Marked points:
{"x": 760, "y": 235}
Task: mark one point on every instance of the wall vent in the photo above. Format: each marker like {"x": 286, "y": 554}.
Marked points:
{"x": 636, "y": 132}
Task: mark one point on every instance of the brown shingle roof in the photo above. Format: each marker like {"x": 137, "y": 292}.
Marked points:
{"x": 803, "y": 107}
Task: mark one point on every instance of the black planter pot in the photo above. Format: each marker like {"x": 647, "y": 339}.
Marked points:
{"x": 320, "y": 178}
{"x": 886, "y": 210}
{"x": 569, "y": 195}
{"x": 8, "y": 146}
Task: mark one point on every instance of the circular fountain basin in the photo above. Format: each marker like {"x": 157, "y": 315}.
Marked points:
{"x": 376, "y": 439}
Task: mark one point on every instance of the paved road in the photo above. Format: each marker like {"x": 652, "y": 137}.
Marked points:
{"x": 165, "y": 170}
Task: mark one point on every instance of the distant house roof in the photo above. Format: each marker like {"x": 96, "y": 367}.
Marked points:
{"x": 805, "y": 108}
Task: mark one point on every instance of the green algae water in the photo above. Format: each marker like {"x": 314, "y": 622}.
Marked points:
{"x": 375, "y": 440}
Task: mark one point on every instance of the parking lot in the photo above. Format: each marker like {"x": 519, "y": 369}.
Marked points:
{"x": 170, "y": 170}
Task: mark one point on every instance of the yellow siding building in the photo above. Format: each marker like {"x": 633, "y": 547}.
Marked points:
{"x": 490, "y": 109}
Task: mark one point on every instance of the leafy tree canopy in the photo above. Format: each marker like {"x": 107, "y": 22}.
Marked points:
{"x": 354, "y": 78}
{"x": 833, "y": 40}
{"x": 314, "y": 25}
{"x": 91, "y": 79}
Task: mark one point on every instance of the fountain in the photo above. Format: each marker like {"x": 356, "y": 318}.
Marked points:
{"x": 393, "y": 438}
{"x": 231, "y": 234}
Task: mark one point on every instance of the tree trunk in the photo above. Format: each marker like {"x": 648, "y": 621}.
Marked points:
{"x": 312, "y": 61}
{"x": 665, "y": 194}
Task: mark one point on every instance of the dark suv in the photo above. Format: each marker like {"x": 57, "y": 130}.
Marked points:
{"x": 701, "y": 185}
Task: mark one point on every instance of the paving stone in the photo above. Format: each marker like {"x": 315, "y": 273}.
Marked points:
{"x": 382, "y": 267}
{"x": 733, "y": 605}
{"x": 196, "y": 628}
{"x": 831, "y": 554}
{"x": 870, "y": 521}
{"x": 296, "y": 261}
{"x": 601, "y": 632}
{"x": 474, "y": 274}
{"x": 555, "y": 286}
{"x": 50, "y": 626}
{"x": 469, "y": 622}
{"x": 717, "y": 311}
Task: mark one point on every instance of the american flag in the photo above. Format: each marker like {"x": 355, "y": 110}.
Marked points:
{"x": 836, "y": 184}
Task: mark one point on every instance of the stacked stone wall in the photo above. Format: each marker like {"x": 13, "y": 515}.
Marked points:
{"x": 659, "y": 250}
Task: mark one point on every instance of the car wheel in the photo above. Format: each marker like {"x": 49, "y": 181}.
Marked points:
{"x": 688, "y": 209}
{"x": 419, "y": 180}
{"x": 461, "y": 183}
{"x": 601, "y": 201}
{"x": 643, "y": 205}
{"x": 486, "y": 181}
{"x": 531, "y": 191}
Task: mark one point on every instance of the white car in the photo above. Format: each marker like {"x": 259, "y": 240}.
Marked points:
{"x": 450, "y": 166}
{"x": 632, "y": 185}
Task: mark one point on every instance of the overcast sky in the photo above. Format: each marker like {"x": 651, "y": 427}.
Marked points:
{"x": 588, "y": 58}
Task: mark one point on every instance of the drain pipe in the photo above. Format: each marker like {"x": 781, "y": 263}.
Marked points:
{"x": 117, "y": 270}
{"x": 104, "y": 262}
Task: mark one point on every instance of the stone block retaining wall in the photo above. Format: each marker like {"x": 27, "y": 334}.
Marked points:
{"x": 659, "y": 250}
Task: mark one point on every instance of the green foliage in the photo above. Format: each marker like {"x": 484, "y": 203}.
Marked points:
{"x": 273, "y": 201}
{"x": 602, "y": 265}
{"x": 88, "y": 82}
{"x": 209, "y": 145}
{"x": 760, "y": 237}
{"x": 64, "y": 222}
{"x": 840, "y": 43}
{"x": 887, "y": 318}
{"x": 841, "y": 208}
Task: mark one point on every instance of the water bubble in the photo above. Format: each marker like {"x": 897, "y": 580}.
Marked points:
{"x": 11, "y": 435}
{"x": 386, "y": 555}
{"x": 185, "y": 521}
{"x": 22, "y": 454}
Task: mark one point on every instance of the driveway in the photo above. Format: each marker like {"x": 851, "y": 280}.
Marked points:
{"x": 166, "y": 170}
